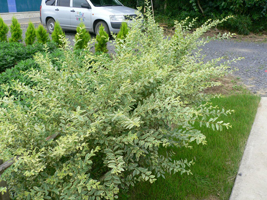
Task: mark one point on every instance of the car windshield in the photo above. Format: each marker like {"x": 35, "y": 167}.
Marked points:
{"x": 100, "y": 3}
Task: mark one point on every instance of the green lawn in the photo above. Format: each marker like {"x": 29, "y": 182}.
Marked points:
{"x": 216, "y": 164}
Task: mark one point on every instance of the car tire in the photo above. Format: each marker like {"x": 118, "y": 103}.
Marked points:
{"x": 97, "y": 27}
{"x": 50, "y": 25}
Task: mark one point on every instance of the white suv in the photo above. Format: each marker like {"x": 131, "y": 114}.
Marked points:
{"x": 93, "y": 13}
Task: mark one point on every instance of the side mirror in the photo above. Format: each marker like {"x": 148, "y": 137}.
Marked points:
{"x": 85, "y": 5}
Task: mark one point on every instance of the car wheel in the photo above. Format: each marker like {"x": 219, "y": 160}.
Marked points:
{"x": 50, "y": 25}
{"x": 97, "y": 27}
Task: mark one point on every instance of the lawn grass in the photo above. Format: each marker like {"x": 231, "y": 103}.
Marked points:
{"x": 216, "y": 164}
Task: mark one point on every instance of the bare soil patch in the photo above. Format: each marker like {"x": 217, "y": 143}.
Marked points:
{"x": 229, "y": 85}
{"x": 252, "y": 37}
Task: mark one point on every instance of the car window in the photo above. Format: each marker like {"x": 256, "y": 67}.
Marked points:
{"x": 99, "y": 3}
{"x": 50, "y": 2}
{"x": 78, "y": 3}
{"x": 65, "y": 3}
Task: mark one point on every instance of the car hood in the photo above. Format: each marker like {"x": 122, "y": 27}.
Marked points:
{"x": 116, "y": 10}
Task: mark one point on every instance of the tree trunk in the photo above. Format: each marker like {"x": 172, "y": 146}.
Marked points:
{"x": 198, "y": 3}
{"x": 152, "y": 8}
{"x": 165, "y": 6}
{"x": 4, "y": 196}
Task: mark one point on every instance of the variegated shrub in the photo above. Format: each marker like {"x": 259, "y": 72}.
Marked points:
{"x": 93, "y": 127}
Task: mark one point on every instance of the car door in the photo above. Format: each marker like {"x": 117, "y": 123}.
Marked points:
{"x": 62, "y": 10}
{"x": 81, "y": 13}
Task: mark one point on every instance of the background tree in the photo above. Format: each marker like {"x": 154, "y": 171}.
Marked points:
{"x": 249, "y": 15}
{"x": 82, "y": 37}
{"x": 42, "y": 35}
{"x": 102, "y": 38}
{"x": 58, "y": 34}
{"x": 16, "y": 31}
{"x": 30, "y": 34}
{"x": 3, "y": 30}
{"x": 123, "y": 32}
